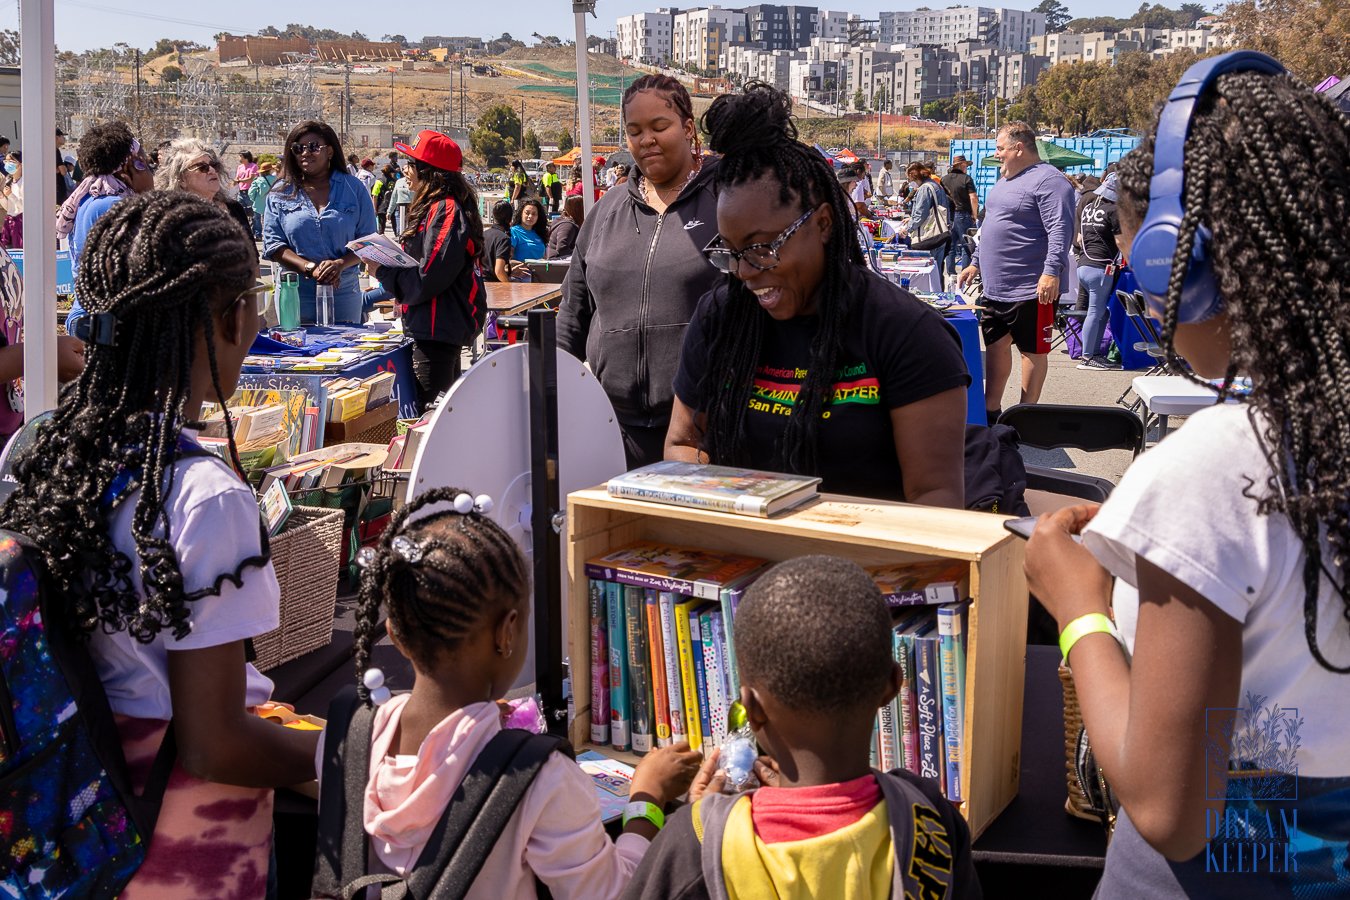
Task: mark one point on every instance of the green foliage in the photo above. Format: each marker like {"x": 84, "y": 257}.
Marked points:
{"x": 496, "y": 132}
{"x": 859, "y": 100}
{"x": 170, "y": 74}
{"x": 1097, "y": 23}
{"x": 564, "y": 141}
{"x": 9, "y": 48}
{"x": 879, "y": 98}
{"x": 169, "y": 45}
{"x": 1056, "y": 15}
{"x": 531, "y": 144}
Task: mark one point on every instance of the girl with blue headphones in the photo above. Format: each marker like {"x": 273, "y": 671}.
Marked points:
{"x": 1214, "y": 672}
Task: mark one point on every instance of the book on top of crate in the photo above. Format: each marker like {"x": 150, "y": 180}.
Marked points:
{"x": 722, "y": 488}
{"x": 681, "y": 570}
{"x": 921, "y": 583}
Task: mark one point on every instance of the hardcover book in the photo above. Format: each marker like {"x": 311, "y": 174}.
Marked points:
{"x": 921, "y": 583}
{"x": 746, "y": 492}
{"x": 680, "y": 570}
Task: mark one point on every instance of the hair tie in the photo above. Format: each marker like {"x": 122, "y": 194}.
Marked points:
{"x": 366, "y": 558}
{"x": 407, "y": 548}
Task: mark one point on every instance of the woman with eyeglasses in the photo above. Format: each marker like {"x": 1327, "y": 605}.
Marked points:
{"x": 312, "y": 212}
{"x": 190, "y": 165}
{"x": 636, "y": 272}
{"x": 115, "y": 168}
{"x": 803, "y": 360}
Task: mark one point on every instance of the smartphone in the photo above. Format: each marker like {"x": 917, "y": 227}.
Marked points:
{"x": 1024, "y": 526}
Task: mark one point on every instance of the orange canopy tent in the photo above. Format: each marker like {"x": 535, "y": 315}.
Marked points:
{"x": 846, "y": 156}
{"x": 571, "y": 157}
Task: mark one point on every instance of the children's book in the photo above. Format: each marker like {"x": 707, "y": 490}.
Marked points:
{"x": 657, "y": 671}
{"x": 674, "y": 682}
{"x": 619, "y": 723}
{"x": 688, "y": 680}
{"x": 744, "y": 491}
{"x": 613, "y": 781}
{"x": 276, "y": 507}
{"x": 921, "y": 583}
{"x": 639, "y": 691}
{"x": 712, "y": 675}
{"x": 378, "y": 249}
{"x": 730, "y": 598}
{"x": 700, "y": 674}
{"x": 599, "y": 610}
{"x": 903, "y": 645}
{"x": 952, "y": 657}
{"x": 682, "y": 570}
{"x": 928, "y": 678}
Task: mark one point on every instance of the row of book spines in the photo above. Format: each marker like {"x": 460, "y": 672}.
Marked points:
{"x": 923, "y": 728}
{"x": 661, "y": 667}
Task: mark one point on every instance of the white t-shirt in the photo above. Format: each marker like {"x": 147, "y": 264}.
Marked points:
{"x": 859, "y": 194}
{"x": 214, "y": 527}
{"x": 1182, "y": 507}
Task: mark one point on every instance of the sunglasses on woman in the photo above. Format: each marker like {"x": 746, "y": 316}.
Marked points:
{"x": 202, "y": 168}
{"x": 761, "y": 256}
{"x": 300, "y": 149}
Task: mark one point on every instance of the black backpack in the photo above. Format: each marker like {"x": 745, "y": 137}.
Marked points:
{"x": 996, "y": 477}
{"x": 461, "y": 842}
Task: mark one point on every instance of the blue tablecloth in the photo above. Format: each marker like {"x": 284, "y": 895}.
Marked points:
{"x": 968, "y": 327}
{"x": 1125, "y": 333}
{"x": 397, "y": 360}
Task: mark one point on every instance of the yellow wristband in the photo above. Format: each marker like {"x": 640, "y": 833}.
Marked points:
{"x": 1082, "y": 626}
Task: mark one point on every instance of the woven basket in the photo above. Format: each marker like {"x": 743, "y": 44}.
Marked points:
{"x": 306, "y": 556}
{"x": 1079, "y": 803}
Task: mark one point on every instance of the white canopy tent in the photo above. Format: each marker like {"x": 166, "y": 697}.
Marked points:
{"x": 37, "y": 93}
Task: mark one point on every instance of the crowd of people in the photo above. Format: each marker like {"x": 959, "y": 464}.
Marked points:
{"x": 725, "y": 305}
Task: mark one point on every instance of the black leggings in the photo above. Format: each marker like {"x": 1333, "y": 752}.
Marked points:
{"x": 436, "y": 365}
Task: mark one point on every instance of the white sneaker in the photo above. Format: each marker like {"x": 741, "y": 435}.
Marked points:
{"x": 1100, "y": 364}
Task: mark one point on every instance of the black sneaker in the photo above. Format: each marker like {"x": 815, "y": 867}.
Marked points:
{"x": 1100, "y": 364}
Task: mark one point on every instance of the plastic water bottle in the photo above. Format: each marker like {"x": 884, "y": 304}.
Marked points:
{"x": 323, "y": 304}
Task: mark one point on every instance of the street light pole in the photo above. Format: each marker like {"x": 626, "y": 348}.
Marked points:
{"x": 579, "y": 10}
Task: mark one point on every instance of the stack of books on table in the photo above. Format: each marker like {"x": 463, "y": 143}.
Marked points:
{"x": 351, "y": 398}
{"x": 663, "y": 653}
{"x": 269, "y": 426}
{"x": 744, "y": 491}
{"x": 329, "y": 467}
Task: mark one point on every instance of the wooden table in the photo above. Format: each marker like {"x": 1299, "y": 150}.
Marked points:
{"x": 509, "y": 299}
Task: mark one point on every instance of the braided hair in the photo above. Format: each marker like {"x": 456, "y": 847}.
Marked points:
{"x": 440, "y": 575}
{"x": 673, "y": 92}
{"x": 1283, "y": 269}
{"x": 755, "y": 134}
{"x": 164, "y": 264}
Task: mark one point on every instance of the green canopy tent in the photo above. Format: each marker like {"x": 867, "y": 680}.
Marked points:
{"x": 1059, "y": 157}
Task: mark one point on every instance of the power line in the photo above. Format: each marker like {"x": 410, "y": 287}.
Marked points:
{"x": 144, "y": 15}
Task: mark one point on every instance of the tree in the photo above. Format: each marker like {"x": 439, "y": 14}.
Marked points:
{"x": 399, "y": 39}
{"x": 1193, "y": 12}
{"x": 1096, "y": 23}
{"x": 1311, "y": 37}
{"x": 1080, "y": 96}
{"x": 170, "y": 74}
{"x": 531, "y": 144}
{"x": 879, "y": 98}
{"x": 1056, "y": 15}
{"x": 9, "y": 48}
{"x": 497, "y": 130}
{"x": 859, "y": 100}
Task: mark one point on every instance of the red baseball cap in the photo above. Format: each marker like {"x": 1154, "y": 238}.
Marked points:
{"x": 434, "y": 149}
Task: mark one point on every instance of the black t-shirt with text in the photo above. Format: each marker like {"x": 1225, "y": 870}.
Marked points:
{"x": 896, "y": 351}
{"x": 1098, "y": 225}
{"x": 959, "y": 186}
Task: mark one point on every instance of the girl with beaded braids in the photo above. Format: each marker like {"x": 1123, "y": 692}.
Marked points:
{"x": 802, "y": 360}
{"x": 457, "y": 592}
{"x": 1228, "y": 541}
{"x": 154, "y": 544}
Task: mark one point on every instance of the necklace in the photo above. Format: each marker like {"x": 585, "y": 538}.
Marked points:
{"x": 648, "y": 188}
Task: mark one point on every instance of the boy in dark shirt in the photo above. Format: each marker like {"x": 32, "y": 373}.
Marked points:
{"x": 811, "y": 685}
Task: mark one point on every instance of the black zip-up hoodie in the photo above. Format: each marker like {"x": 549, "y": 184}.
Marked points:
{"x": 631, "y": 289}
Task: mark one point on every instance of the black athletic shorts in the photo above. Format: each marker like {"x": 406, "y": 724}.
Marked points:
{"x": 1029, "y": 323}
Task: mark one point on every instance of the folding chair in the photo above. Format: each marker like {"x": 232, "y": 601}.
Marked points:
{"x": 1089, "y": 428}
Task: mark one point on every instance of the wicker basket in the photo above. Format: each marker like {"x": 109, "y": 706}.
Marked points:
{"x": 1094, "y": 801}
{"x": 306, "y": 555}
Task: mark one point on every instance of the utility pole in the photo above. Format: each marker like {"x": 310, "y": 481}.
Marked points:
{"x": 522, "y": 126}
{"x": 138, "y": 91}
{"x": 450, "y": 101}
{"x": 391, "y": 104}
{"x": 347, "y": 102}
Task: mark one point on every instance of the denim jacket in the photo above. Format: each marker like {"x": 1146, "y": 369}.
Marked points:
{"x": 929, "y": 193}
{"x": 290, "y": 221}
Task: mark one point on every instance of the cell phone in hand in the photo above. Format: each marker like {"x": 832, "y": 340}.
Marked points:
{"x": 1024, "y": 526}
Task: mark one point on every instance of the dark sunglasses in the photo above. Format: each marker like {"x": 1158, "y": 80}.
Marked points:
{"x": 761, "y": 256}
{"x": 202, "y": 167}
{"x": 300, "y": 149}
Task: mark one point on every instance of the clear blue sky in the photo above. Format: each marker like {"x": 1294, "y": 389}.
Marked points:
{"x": 87, "y": 24}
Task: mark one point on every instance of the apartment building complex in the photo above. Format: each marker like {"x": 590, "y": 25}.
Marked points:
{"x": 1008, "y": 29}
{"x": 1105, "y": 46}
{"x": 645, "y": 37}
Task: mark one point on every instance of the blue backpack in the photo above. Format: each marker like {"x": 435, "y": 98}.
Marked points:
{"x": 71, "y": 824}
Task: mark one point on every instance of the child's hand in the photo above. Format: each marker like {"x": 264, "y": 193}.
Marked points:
{"x": 710, "y": 779}
{"x": 666, "y": 772}
{"x": 766, "y": 770}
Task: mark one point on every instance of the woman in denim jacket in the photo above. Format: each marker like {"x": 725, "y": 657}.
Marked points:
{"x": 314, "y": 209}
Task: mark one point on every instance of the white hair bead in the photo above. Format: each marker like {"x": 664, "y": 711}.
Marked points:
{"x": 380, "y": 695}
{"x": 483, "y": 504}
{"x": 372, "y": 678}
{"x": 463, "y": 504}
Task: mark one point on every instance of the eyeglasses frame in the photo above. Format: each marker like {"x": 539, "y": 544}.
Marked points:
{"x": 773, "y": 247}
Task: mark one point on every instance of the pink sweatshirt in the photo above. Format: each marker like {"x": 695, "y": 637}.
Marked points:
{"x": 555, "y": 833}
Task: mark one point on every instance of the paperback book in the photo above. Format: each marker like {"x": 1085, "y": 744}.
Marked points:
{"x": 747, "y": 492}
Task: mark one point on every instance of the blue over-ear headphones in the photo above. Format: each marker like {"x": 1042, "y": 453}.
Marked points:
{"x": 1155, "y": 246}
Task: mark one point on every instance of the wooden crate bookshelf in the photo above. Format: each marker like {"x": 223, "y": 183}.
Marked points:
{"x": 870, "y": 533}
